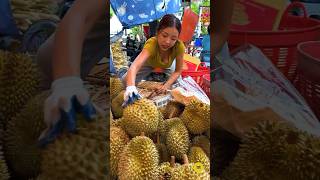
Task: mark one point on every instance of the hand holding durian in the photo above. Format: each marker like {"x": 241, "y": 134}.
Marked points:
{"x": 68, "y": 97}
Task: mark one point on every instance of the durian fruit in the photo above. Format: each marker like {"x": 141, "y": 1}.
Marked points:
{"x": 177, "y": 140}
{"x": 118, "y": 140}
{"x": 203, "y": 142}
{"x": 116, "y": 86}
{"x": 166, "y": 124}
{"x": 78, "y": 156}
{"x": 21, "y": 138}
{"x": 276, "y": 150}
{"x": 189, "y": 171}
{"x": 173, "y": 109}
{"x": 166, "y": 169}
{"x": 19, "y": 81}
{"x": 196, "y": 116}
{"x": 4, "y": 174}
{"x": 117, "y": 123}
{"x": 141, "y": 116}
{"x": 139, "y": 160}
{"x": 225, "y": 148}
{"x": 116, "y": 105}
{"x": 119, "y": 57}
{"x": 196, "y": 154}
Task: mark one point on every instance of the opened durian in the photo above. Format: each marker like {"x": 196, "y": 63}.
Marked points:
{"x": 203, "y": 142}
{"x": 173, "y": 109}
{"x": 21, "y": 138}
{"x": 4, "y": 174}
{"x": 189, "y": 171}
{"x": 196, "y": 154}
{"x": 19, "y": 80}
{"x": 118, "y": 140}
{"x": 139, "y": 160}
{"x": 80, "y": 156}
{"x": 116, "y": 105}
{"x": 116, "y": 86}
{"x": 196, "y": 116}
{"x": 141, "y": 116}
{"x": 177, "y": 140}
{"x": 276, "y": 150}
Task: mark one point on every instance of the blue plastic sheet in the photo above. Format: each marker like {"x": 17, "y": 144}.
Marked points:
{"x": 7, "y": 24}
{"x": 134, "y": 12}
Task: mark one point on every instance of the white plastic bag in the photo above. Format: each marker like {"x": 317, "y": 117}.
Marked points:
{"x": 253, "y": 84}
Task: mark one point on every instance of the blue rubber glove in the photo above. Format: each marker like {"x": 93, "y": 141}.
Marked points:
{"x": 68, "y": 98}
{"x": 131, "y": 95}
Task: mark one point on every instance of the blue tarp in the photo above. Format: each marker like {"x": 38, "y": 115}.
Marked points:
{"x": 7, "y": 24}
{"x": 135, "y": 12}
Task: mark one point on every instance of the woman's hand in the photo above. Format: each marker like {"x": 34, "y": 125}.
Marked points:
{"x": 162, "y": 89}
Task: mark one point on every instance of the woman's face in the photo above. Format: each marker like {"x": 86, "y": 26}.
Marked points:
{"x": 167, "y": 37}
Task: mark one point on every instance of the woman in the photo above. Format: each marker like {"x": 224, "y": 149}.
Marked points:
{"x": 158, "y": 52}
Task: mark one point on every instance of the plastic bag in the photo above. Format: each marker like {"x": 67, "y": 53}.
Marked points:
{"x": 248, "y": 88}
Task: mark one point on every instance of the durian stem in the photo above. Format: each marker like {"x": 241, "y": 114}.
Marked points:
{"x": 171, "y": 114}
{"x": 142, "y": 134}
{"x": 173, "y": 162}
{"x": 185, "y": 159}
{"x": 158, "y": 138}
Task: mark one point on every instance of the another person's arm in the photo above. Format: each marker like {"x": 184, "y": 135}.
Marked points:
{"x": 70, "y": 35}
{"x": 221, "y": 23}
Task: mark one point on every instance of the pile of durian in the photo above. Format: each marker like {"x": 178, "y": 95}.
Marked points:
{"x": 80, "y": 155}
{"x": 118, "y": 56}
{"x": 151, "y": 143}
{"x": 26, "y": 12}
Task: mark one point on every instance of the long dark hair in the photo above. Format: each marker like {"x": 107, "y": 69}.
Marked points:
{"x": 169, "y": 20}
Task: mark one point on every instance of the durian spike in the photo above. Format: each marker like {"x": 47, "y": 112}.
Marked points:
{"x": 185, "y": 159}
{"x": 142, "y": 134}
{"x": 173, "y": 162}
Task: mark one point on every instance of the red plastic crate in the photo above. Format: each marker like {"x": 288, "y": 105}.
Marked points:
{"x": 206, "y": 84}
{"x": 309, "y": 75}
{"x": 198, "y": 75}
{"x": 281, "y": 46}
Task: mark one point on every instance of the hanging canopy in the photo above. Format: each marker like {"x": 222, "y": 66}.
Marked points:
{"x": 135, "y": 12}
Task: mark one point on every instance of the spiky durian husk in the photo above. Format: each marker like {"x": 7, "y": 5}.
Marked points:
{"x": 141, "y": 116}
{"x": 275, "y": 150}
{"x": 139, "y": 160}
{"x": 19, "y": 81}
{"x": 21, "y": 137}
{"x": 177, "y": 140}
{"x": 203, "y": 142}
{"x": 4, "y": 174}
{"x": 166, "y": 124}
{"x": 78, "y": 156}
{"x": 225, "y": 148}
{"x": 116, "y": 105}
{"x": 165, "y": 170}
{"x": 118, "y": 140}
{"x": 196, "y": 154}
{"x": 196, "y": 117}
{"x": 187, "y": 172}
{"x": 116, "y": 86}
{"x": 173, "y": 109}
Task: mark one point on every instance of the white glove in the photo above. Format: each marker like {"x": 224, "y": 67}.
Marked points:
{"x": 130, "y": 91}
{"x": 66, "y": 92}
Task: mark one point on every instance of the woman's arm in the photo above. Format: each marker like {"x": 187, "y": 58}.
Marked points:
{"x": 221, "y": 23}
{"x": 175, "y": 75}
{"x": 70, "y": 35}
{"x": 135, "y": 67}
